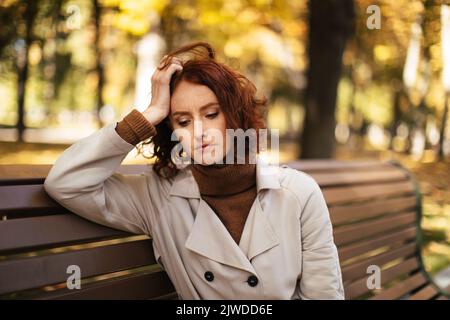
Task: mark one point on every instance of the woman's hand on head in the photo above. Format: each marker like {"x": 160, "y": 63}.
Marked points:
{"x": 159, "y": 107}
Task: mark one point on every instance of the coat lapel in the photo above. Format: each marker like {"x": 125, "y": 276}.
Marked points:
{"x": 209, "y": 237}
{"x": 258, "y": 235}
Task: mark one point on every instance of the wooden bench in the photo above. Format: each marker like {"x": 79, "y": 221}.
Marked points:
{"x": 375, "y": 209}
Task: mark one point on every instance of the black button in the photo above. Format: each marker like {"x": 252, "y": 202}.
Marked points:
{"x": 252, "y": 281}
{"x": 209, "y": 276}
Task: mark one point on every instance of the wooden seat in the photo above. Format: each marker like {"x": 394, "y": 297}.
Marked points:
{"x": 374, "y": 208}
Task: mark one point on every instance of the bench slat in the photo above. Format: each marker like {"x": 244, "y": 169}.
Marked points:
{"x": 334, "y": 165}
{"x": 327, "y": 179}
{"x": 136, "y": 287}
{"x": 39, "y": 271}
{"x": 25, "y": 198}
{"x": 358, "y": 193}
{"x": 170, "y": 296}
{"x": 359, "y": 287}
{"x": 354, "y": 250}
{"x": 347, "y": 234}
{"x": 401, "y": 288}
{"x": 359, "y": 269}
{"x": 356, "y": 212}
{"x": 426, "y": 293}
{"x": 11, "y": 174}
{"x": 48, "y": 231}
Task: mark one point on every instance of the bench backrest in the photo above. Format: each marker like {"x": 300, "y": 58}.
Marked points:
{"x": 374, "y": 208}
{"x": 39, "y": 239}
{"x": 375, "y": 211}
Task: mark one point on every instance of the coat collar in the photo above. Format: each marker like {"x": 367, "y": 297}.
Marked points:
{"x": 209, "y": 237}
{"x": 267, "y": 177}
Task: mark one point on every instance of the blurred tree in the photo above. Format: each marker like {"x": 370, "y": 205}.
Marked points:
{"x": 30, "y": 9}
{"x": 97, "y": 13}
{"x": 331, "y": 23}
{"x": 8, "y": 32}
{"x": 27, "y": 25}
{"x": 54, "y": 64}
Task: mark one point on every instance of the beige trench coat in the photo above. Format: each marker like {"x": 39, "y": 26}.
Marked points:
{"x": 286, "y": 251}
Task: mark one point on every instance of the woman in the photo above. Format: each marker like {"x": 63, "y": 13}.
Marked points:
{"x": 220, "y": 230}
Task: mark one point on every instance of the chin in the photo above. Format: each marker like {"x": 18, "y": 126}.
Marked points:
{"x": 207, "y": 159}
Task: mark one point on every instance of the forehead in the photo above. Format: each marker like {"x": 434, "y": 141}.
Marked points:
{"x": 190, "y": 96}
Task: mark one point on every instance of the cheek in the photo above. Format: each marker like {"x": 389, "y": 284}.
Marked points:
{"x": 184, "y": 135}
{"x": 222, "y": 120}
{"x": 223, "y": 128}
{"x": 215, "y": 130}
{"x": 220, "y": 125}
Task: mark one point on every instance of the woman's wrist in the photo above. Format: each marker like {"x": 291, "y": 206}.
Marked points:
{"x": 153, "y": 115}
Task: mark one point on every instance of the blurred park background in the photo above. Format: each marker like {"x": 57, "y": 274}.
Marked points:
{"x": 347, "y": 79}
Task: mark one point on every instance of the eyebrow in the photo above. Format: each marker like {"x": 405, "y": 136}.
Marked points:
{"x": 201, "y": 108}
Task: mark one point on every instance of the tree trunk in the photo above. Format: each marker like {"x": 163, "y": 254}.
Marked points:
{"x": 98, "y": 60}
{"x": 22, "y": 66}
{"x": 442, "y": 130}
{"x": 330, "y": 25}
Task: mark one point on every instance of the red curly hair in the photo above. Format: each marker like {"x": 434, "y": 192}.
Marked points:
{"x": 235, "y": 93}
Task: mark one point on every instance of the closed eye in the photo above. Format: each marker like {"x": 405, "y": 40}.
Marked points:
{"x": 212, "y": 115}
{"x": 183, "y": 123}
{"x": 209, "y": 116}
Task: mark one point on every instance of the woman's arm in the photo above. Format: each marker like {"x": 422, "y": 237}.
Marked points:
{"x": 83, "y": 178}
{"x": 321, "y": 275}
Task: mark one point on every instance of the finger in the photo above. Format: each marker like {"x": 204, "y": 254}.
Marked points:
{"x": 177, "y": 63}
{"x": 174, "y": 67}
{"x": 165, "y": 65}
{"x": 167, "y": 73}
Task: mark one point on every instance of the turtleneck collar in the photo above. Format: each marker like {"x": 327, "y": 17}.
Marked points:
{"x": 221, "y": 179}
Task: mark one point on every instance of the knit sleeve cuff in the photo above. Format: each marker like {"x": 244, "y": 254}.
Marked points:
{"x": 135, "y": 128}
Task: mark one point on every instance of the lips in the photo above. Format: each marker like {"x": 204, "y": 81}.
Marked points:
{"x": 204, "y": 146}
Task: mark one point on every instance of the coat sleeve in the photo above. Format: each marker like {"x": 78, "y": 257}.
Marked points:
{"x": 321, "y": 273}
{"x": 83, "y": 179}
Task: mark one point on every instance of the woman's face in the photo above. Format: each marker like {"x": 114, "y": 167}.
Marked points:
{"x": 198, "y": 122}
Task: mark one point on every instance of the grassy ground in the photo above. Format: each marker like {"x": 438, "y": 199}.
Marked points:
{"x": 433, "y": 177}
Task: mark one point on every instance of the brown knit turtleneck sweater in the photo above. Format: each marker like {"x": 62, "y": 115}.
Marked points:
{"x": 229, "y": 189}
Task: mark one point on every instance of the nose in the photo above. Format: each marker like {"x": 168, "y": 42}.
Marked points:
{"x": 198, "y": 133}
